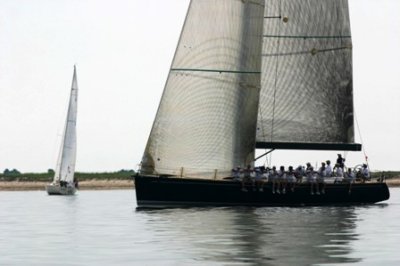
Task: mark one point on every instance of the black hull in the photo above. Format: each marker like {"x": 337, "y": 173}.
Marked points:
{"x": 159, "y": 192}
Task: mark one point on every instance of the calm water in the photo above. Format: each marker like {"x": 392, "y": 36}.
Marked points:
{"x": 104, "y": 228}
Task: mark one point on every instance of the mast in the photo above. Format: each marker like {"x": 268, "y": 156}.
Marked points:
{"x": 67, "y": 155}
{"x": 206, "y": 121}
{"x": 306, "y": 99}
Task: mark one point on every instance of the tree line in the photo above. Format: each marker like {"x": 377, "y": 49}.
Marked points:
{"x": 15, "y": 175}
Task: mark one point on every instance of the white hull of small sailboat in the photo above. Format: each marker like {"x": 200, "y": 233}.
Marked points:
{"x": 58, "y": 190}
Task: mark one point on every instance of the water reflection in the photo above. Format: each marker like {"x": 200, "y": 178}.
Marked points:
{"x": 255, "y": 236}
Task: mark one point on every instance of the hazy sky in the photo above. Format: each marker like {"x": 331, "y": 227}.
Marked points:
{"x": 123, "y": 50}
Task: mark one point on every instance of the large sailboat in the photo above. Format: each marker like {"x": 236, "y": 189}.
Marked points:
{"x": 268, "y": 74}
{"x": 63, "y": 182}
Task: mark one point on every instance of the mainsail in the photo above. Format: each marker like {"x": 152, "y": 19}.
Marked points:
{"x": 67, "y": 156}
{"x": 306, "y": 98}
{"x": 206, "y": 121}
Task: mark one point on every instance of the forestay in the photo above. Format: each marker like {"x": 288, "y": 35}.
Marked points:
{"x": 306, "y": 99}
{"x": 206, "y": 120}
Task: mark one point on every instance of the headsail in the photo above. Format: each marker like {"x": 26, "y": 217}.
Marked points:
{"x": 67, "y": 156}
{"x": 206, "y": 120}
{"x": 306, "y": 99}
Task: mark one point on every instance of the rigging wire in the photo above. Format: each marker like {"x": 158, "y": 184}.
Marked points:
{"x": 361, "y": 140}
{"x": 275, "y": 82}
{"x": 263, "y": 133}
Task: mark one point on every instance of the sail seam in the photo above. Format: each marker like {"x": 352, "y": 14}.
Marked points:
{"x": 308, "y": 36}
{"x": 215, "y": 70}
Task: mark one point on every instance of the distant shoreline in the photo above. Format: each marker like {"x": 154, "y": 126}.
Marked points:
{"x": 393, "y": 182}
{"x": 83, "y": 185}
{"x": 103, "y": 184}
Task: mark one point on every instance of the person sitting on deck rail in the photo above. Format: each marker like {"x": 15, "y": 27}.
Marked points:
{"x": 253, "y": 178}
{"x": 349, "y": 176}
{"x": 312, "y": 179}
{"x": 358, "y": 174}
{"x": 338, "y": 174}
{"x": 282, "y": 180}
{"x": 273, "y": 176}
{"x": 328, "y": 169}
{"x": 299, "y": 173}
{"x": 265, "y": 174}
{"x": 365, "y": 173}
{"x": 290, "y": 177}
{"x": 241, "y": 173}
{"x": 321, "y": 177}
{"x": 247, "y": 178}
{"x": 309, "y": 169}
{"x": 259, "y": 179}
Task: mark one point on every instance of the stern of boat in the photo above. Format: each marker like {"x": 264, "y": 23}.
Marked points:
{"x": 53, "y": 189}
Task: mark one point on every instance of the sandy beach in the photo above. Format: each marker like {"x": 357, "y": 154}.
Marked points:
{"x": 393, "y": 182}
{"x": 104, "y": 185}
{"x": 83, "y": 185}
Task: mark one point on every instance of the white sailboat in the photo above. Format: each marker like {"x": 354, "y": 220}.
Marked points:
{"x": 63, "y": 182}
